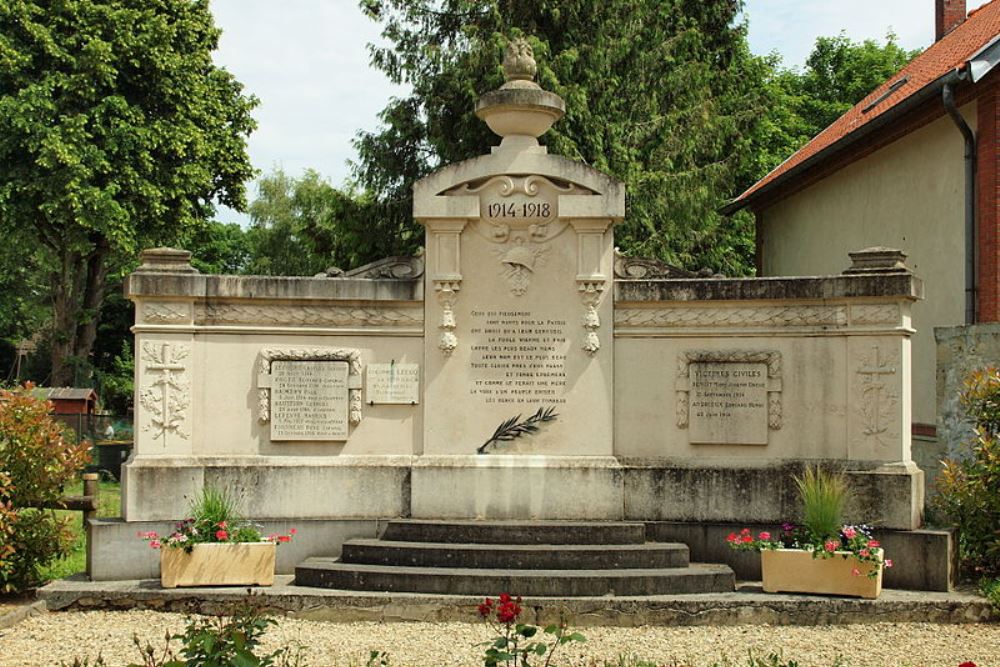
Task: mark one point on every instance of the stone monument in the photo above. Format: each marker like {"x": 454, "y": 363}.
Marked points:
{"x": 644, "y": 393}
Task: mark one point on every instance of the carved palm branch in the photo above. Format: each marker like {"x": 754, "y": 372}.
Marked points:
{"x": 514, "y": 428}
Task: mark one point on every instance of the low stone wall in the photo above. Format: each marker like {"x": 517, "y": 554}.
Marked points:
{"x": 960, "y": 350}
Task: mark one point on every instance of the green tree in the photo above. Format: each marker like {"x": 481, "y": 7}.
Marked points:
{"x": 663, "y": 95}
{"x": 303, "y": 225}
{"x": 116, "y": 131}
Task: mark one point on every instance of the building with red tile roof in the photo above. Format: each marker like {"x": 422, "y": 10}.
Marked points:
{"x": 912, "y": 166}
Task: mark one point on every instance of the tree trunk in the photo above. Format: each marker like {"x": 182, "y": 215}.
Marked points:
{"x": 92, "y": 298}
{"x": 66, "y": 283}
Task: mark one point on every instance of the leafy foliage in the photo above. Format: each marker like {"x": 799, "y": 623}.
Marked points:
{"x": 517, "y": 644}
{"x": 230, "y": 641}
{"x": 969, "y": 487}
{"x": 37, "y": 459}
{"x": 117, "y": 131}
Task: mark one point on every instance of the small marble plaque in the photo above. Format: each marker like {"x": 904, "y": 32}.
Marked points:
{"x": 309, "y": 400}
{"x": 393, "y": 383}
{"x": 728, "y": 403}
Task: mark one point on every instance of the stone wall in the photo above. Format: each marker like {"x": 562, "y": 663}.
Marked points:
{"x": 960, "y": 350}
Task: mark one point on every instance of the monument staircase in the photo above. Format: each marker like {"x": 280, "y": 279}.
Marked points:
{"x": 536, "y": 558}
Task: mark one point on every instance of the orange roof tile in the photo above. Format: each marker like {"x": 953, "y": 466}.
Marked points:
{"x": 945, "y": 55}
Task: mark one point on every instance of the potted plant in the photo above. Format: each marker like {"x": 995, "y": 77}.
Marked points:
{"x": 822, "y": 555}
{"x": 215, "y": 546}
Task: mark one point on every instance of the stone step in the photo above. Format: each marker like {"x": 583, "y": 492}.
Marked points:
{"x": 515, "y": 556}
{"x": 697, "y": 578}
{"x": 515, "y": 532}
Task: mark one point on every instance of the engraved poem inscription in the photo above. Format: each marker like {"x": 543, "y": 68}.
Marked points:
{"x": 518, "y": 357}
{"x": 309, "y": 400}
{"x": 728, "y": 403}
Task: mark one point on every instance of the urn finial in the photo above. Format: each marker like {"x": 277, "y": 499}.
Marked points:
{"x": 519, "y": 61}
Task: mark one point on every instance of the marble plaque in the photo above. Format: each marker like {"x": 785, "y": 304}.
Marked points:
{"x": 393, "y": 383}
{"x": 728, "y": 403}
{"x": 309, "y": 400}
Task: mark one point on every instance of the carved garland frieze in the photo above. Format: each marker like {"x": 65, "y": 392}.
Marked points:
{"x": 875, "y": 314}
{"x": 271, "y": 354}
{"x": 328, "y": 316}
{"x": 764, "y": 316}
{"x": 769, "y": 357}
{"x": 165, "y": 312}
{"x": 590, "y": 294}
{"x": 165, "y": 395}
{"x": 447, "y": 295}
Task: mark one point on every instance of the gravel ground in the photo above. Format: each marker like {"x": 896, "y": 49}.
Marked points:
{"x": 51, "y": 638}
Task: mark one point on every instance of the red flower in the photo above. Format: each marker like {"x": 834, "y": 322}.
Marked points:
{"x": 292, "y": 531}
{"x": 968, "y": 663}
{"x": 747, "y": 539}
{"x": 508, "y": 611}
{"x": 284, "y": 538}
{"x": 873, "y": 544}
{"x": 733, "y": 537}
{"x": 486, "y": 607}
{"x": 765, "y": 536}
{"x": 831, "y": 546}
{"x": 745, "y": 531}
{"x": 221, "y": 535}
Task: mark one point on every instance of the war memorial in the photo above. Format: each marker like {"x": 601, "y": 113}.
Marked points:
{"x": 376, "y": 410}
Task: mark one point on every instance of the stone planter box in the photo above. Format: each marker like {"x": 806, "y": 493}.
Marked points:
{"x": 218, "y": 564}
{"x": 796, "y": 571}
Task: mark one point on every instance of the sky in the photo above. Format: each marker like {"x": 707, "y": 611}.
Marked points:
{"x": 307, "y": 62}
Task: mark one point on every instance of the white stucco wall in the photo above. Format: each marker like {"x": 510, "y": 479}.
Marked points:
{"x": 908, "y": 195}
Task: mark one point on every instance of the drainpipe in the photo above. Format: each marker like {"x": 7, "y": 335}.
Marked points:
{"x": 948, "y": 96}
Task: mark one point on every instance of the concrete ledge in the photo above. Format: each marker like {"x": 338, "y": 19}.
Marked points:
{"x": 888, "y": 496}
{"x": 118, "y": 553}
{"x": 924, "y": 560}
{"x": 517, "y": 487}
{"x": 345, "y": 487}
{"x": 897, "y": 285}
{"x": 197, "y": 286}
{"x": 746, "y": 606}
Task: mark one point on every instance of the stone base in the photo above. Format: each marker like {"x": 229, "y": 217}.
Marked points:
{"x": 925, "y": 560}
{"x": 517, "y": 487}
{"x": 889, "y": 496}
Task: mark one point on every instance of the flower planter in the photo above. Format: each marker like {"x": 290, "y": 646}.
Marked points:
{"x": 796, "y": 571}
{"x": 218, "y": 564}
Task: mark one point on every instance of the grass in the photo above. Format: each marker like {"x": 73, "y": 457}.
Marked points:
{"x": 109, "y": 505}
{"x": 823, "y": 496}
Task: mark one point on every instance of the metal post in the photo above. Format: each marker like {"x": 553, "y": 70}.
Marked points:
{"x": 92, "y": 489}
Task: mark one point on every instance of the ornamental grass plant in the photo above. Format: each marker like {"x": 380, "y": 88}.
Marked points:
{"x": 823, "y": 495}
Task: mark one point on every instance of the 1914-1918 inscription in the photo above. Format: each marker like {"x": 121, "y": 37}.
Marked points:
{"x": 518, "y": 357}
{"x": 728, "y": 403}
{"x": 309, "y": 400}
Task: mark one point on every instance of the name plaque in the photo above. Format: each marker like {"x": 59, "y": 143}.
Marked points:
{"x": 393, "y": 383}
{"x": 309, "y": 400}
{"x": 728, "y": 403}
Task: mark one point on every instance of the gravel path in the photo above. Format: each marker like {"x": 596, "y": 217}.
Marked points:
{"x": 51, "y": 638}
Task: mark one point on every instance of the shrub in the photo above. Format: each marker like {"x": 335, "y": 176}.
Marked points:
{"x": 969, "y": 486}
{"x": 37, "y": 458}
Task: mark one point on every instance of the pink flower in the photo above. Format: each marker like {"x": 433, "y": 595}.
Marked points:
{"x": 873, "y": 544}
{"x": 855, "y": 572}
{"x": 284, "y": 538}
{"x": 292, "y": 531}
{"x": 745, "y": 531}
{"x": 849, "y": 532}
{"x": 864, "y": 553}
{"x": 221, "y": 524}
{"x": 831, "y": 546}
{"x": 155, "y": 544}
{"x": 888, "y": 563}
{"x": 221, "y": 535}
{"x": 765, "y": 536}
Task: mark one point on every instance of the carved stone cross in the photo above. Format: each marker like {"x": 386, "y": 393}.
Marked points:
{"x": 874, "y": 388}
